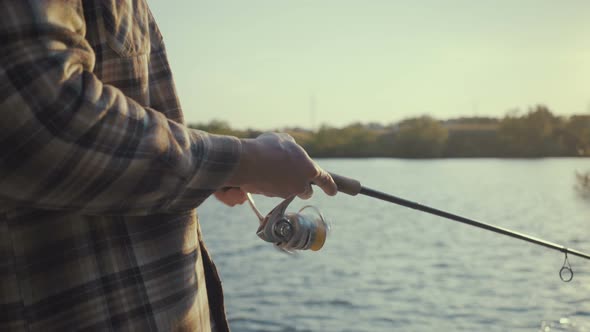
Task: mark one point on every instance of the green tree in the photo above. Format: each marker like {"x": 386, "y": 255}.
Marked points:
{"x": 422, "y": 137}
{"x": 536, "y": 134}
{"x": 576, "y": 135}
{"x": 354, "y": 140}
{"x": 465, "y": 143}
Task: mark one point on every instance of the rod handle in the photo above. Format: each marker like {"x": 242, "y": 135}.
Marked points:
{"x": 347, "y": 185}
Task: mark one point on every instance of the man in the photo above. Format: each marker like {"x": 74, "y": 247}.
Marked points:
{"x": 99, "y": 178}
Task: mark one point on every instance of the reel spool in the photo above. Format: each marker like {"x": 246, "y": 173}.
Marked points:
{"x": 305, "y": 230}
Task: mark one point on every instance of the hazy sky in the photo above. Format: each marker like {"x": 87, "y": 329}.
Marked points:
{"x": 261, "y": 63}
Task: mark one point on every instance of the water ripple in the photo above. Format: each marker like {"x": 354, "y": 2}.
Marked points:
{"x": 337, "y": 303}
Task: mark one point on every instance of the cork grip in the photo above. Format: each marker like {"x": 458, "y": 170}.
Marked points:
{"x": 347, "y": 185}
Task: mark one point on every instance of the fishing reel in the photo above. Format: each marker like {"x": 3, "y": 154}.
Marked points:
{"x": 288, "y": 231}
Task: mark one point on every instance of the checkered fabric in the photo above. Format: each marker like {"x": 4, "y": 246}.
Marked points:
{"x": 99, "y": 177}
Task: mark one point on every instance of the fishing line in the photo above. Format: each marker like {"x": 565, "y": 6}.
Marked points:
{"x": 353, "y": 187}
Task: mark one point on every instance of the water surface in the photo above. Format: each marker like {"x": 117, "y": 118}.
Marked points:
{"x": 390, "y": 268}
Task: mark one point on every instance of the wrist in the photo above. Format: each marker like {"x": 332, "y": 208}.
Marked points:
{"x": 243, "y": 170}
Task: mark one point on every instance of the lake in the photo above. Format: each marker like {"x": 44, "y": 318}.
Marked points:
{"x": 389, "y": 268}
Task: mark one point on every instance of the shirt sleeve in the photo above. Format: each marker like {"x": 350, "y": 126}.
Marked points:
{"x": 70, "y": 142}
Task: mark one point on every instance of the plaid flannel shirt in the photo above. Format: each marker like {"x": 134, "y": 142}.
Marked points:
{"x": 99, "y": 178}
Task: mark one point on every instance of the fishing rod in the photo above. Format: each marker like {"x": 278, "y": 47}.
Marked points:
{"x": 353, "y": 187}
{"x": 308, "y": 229}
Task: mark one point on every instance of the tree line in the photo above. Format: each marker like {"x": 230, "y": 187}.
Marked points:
{"x": 535, "y": 133}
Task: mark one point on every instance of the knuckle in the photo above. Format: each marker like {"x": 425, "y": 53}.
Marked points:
{"x": 287, "y": 136}
{"x": 318, "y": 173}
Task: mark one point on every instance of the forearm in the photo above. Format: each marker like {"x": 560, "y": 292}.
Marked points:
{"x": 67, "y": 141}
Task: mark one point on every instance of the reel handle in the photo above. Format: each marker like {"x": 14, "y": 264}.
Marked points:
{"x": 346, "y": 185}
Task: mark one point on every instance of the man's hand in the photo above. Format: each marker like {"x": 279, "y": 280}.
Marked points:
{"x": 274, "y": 165}
{"x": 231, "y": 196}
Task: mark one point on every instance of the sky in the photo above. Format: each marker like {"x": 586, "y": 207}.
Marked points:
{"x": 268, "y": 64}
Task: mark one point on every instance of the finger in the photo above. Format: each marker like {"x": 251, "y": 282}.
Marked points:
{"x": 219, "y": 195}
{"x": 325, "y": 181}
{"x": 235, "y": 196}
{"x": 222, "y": 192}
{"x": 222, "y": 197}
{"x": 241, "y": 197}
{"x": 307, "y": 193}
{"x": 231, "y": 196}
